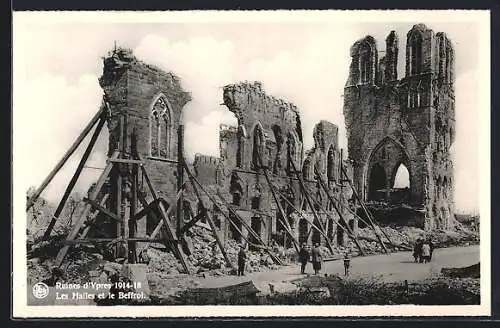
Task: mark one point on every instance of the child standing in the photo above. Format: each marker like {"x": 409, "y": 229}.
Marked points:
{"x": 347, "y": 264}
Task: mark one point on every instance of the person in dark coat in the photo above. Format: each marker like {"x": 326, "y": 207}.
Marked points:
{"x": 303, "y": 258}
{"x": 431, "y": 244}
{"x": 242, "y": 257}
{"x": 317, "y": 258}
{"x": 417, "y": 250}
{"x": 347, "y": 264}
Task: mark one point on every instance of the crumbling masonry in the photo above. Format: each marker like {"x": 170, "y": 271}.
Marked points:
{"x": 390, "y": 122}
{"x": 152, "y": 100}
{"x": 408, "y": 121}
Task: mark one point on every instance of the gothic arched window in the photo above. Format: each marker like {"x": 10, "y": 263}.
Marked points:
{"x": 331, "y": 165}
{"x": 415, "y": 54}
{"x": 365, "y": 70}
{"x": 442, "y": 58}
{"x": 160, "y": 124}
{"x": 258, "y": 147}
{"x": 306, "y": 170}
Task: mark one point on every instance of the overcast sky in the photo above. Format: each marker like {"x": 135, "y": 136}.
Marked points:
{"x": 57, "y": 63}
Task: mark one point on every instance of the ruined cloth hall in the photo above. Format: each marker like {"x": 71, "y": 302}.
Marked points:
{"x": 264, "y": 187}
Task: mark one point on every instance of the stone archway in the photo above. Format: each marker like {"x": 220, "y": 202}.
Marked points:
{"x": 376, "y": 182}
{"x": 382, "y": 167}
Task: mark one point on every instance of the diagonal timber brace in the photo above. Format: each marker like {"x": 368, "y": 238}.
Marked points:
{"x": 305, "y": 192}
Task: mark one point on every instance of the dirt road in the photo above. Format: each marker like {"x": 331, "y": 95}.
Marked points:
{"x": 392, "y": 267}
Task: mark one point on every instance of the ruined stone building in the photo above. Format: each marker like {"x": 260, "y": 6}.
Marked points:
{"x": 150, "y": 102}
{"x": 408, "y": 121}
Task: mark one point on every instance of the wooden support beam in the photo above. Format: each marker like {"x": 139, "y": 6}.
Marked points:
{"x": 76, "y": 228}
{"x": 350, "y": 233}
{"x": 278, "y": 204}
{"x": 346, "y": 207}
{"x": 169, "y": 229}
{"x": 196, "y": 183}
{"x": 158, "y": 229}
{"x": 367, "y": 212}
{"x": 180, "y": 180}
{"x": 103, "y": 240}
{"x": 161, "y": 159}
{"x": 102, "y": 209}
{"x": 217, "y": 239}
{"x": 119, "y": 180}
{"x": 149, "y": 183}
{"x": 145, "y": 211}
{"x": 301, "y": 213}
{"x": 192, "y": 222}
{"x": 207, "y": 214}
{"x": 65, "y": 157}
{"x": 309, "y": 202}
{"x": 173, "y": 236}
{"x": 93, "y": 216}
{"x": 261, "y": 246}
{"x": 132, "y": 245}
{"x": 125, "y": 161}
{"x": 74, "y": 178}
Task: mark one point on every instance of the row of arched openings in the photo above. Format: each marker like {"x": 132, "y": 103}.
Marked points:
{"x": 367, "y": 58}
{"x": 272, "y": 160}
{"x": 332, "y": 166}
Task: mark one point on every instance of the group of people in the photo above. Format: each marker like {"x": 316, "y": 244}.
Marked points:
{"x": 315, "y": 256}
{"x": 422, "y": 251}
{"x": 306, "y": 255}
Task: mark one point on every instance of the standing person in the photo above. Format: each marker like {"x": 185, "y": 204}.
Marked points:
{"x": 426, "y": 252}
{"x": 242, "y": 257}
{"x": 416, "y": 250}
{"x": 316, "y": 258}
{"x": 303, "y": 258}
{"x": 347, "y": 264}
{"x": 144, "y": 256}
{"x": 419, "y": 250}
{"x": 431, "y": 245}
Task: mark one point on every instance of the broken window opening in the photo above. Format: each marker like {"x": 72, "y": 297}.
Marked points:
{"x": 306, "y": 170}
{"x": 256, "y": 203}
{"x": 237, "y": 199}
{"x": 258, "y": 147}
{"x": 256, "y": 225}
{"x": 303, "y": 231}
{"x": 160, "y": 129}
{"x": 415, "y": 54}
{"x": 365, "y": 63}
{"x": 278, "y": 137}
{"x": 402, "y": 177}
{"x": 414, "y": 99}
{"x": 377, "y": 183}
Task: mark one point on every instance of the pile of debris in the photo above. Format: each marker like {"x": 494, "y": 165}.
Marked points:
{"x": 206, "y": 258}
{"x": 403, "y": 238}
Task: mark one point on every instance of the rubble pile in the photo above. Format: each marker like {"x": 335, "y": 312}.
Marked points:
{"x": 403, "y": 238}
{"x": 163, "y": 262}
{"x": 207, "y": 258}
{"x": 38, "y": 270}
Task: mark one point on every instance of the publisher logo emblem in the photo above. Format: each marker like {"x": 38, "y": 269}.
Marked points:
{"x": 40, "y": 290}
